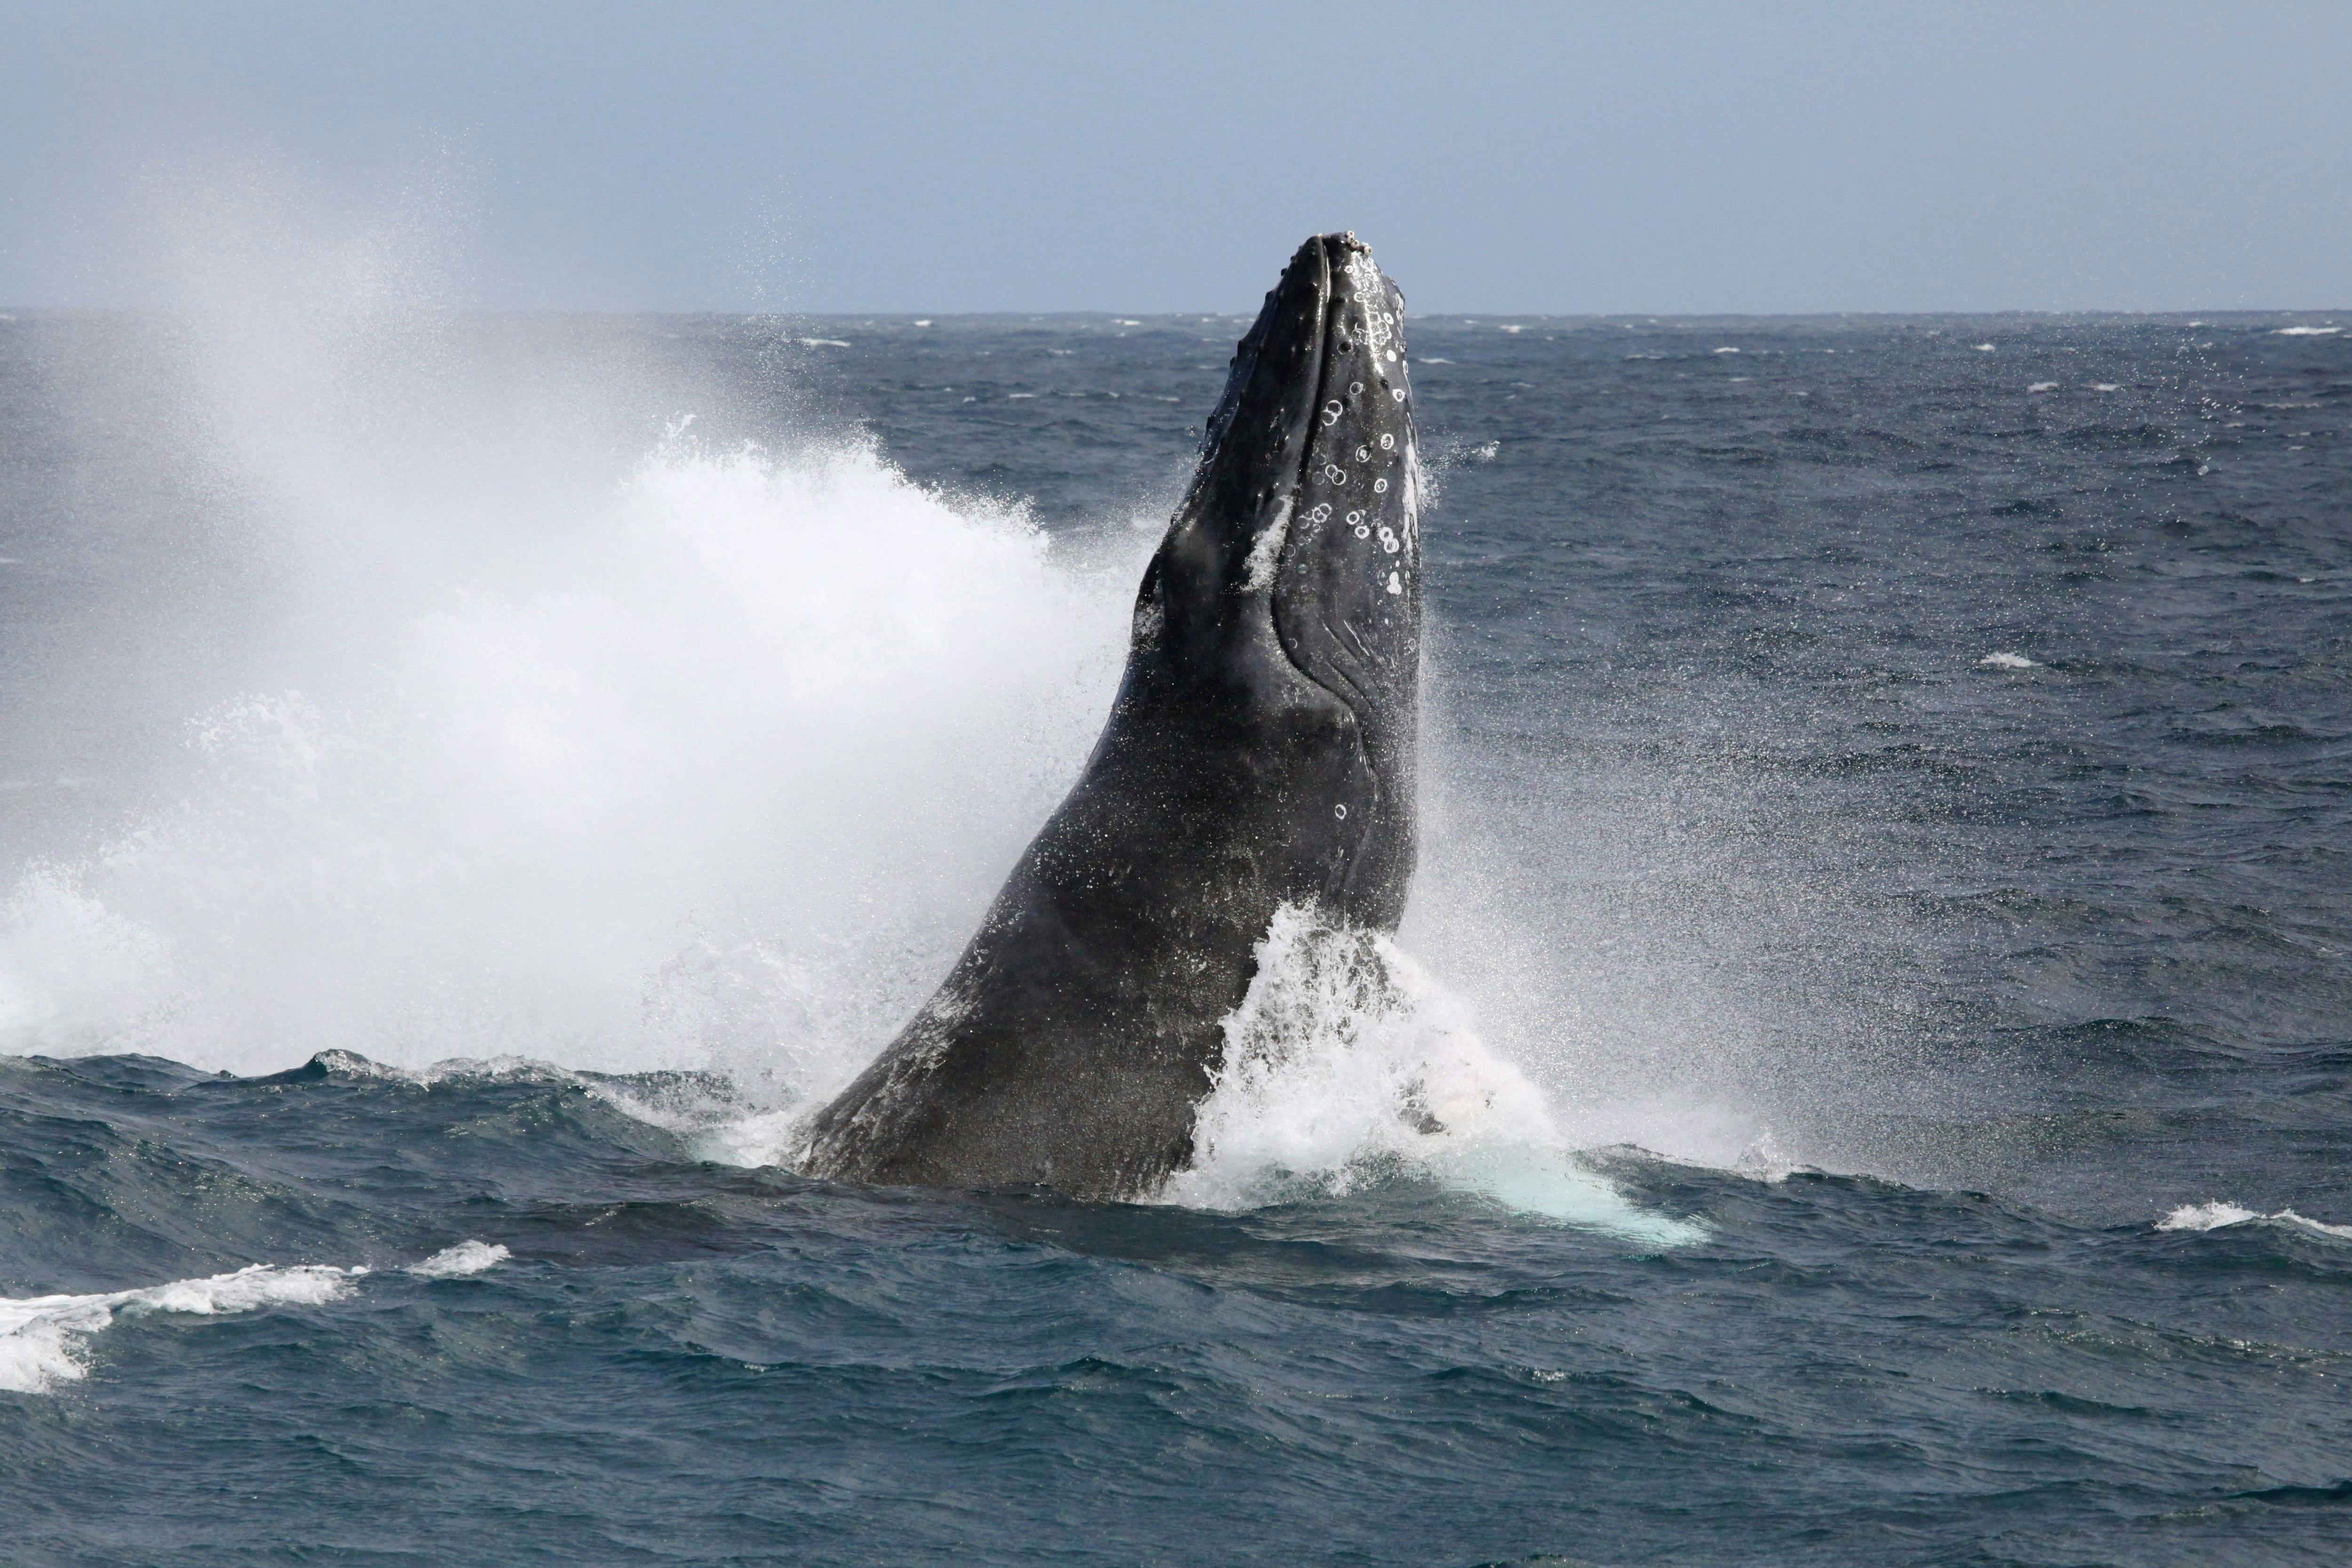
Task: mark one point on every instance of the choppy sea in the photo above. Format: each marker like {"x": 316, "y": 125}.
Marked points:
{"x": 1883, "y": 944}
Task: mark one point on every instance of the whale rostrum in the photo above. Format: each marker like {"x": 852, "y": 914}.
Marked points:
{"x": 1260, "y": 752}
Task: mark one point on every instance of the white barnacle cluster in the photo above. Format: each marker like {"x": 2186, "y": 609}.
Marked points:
{"x": 1386, "y": 460}
{"x": 1380, "y": 323}
{"x": 1382, "y": 328}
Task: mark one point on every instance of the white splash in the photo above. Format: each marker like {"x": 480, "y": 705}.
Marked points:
{"x": 1346, "y": 1060}
{"x": 44, "y": 1340}
{"x": 2006, "y": 661}
{"x": 704, "y": 799}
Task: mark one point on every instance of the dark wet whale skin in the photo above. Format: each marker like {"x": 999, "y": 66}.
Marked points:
{"x": 1260, "y": 752}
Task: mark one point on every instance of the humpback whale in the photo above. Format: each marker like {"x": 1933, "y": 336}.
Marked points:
{"x": 1260, "y": 753}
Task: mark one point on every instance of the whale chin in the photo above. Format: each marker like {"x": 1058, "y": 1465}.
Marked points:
{"x": 1259, "y": 753}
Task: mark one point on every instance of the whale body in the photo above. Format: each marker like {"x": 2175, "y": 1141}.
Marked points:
{"x": 1260, "y": 753}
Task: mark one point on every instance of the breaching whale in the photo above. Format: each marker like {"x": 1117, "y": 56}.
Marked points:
{"x": 1259, "y": 753}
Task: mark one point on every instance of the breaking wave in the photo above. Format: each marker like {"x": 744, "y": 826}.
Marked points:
{"x": 44, "y": 1340}
{"x": 2219, "y": 1216}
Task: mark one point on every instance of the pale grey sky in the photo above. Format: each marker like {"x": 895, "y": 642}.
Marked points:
{"x": 1567, "y": 158}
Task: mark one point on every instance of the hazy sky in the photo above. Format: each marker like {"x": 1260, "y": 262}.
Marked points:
{"x": 1699, "y": 157}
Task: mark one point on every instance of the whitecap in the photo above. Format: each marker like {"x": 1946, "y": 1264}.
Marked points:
{"x": 2006, "y": 661}
{"x": 1727, "y": 351}
{"x": 716, "y": 1127}
{"x": 1984, "y": 348}
{"x": 2306, "y": 332}
{"x": 2215, "y": 1215}
{"x": 44, "y": 1340}
{"x": 467, "y": 1257}
{"x": 2106, "y": 386}
{"x": 823, "y": 343}
{"x": 448, "y": 1071}
{"x": 2043, "y": 386}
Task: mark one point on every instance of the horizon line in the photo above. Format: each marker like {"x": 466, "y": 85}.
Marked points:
{"x": 1137, "y": 317}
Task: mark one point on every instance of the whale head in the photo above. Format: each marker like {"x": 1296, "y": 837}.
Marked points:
{"x": 1297, "y": 550}
{"x": 1258, "y": 757}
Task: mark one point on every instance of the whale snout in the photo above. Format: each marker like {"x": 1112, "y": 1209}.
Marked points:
{"x": 1347, "y": 586}
{"x": 1308, "y": 496}
{"x": 1299, "y": 547}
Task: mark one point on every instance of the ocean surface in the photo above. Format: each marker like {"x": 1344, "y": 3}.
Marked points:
{"x": 1884, "y": 949}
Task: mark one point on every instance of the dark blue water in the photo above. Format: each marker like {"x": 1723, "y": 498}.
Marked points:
{"x": 1989, "y": 1018}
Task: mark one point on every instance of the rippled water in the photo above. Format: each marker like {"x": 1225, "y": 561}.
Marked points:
{"x": 1888, "y": 828}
